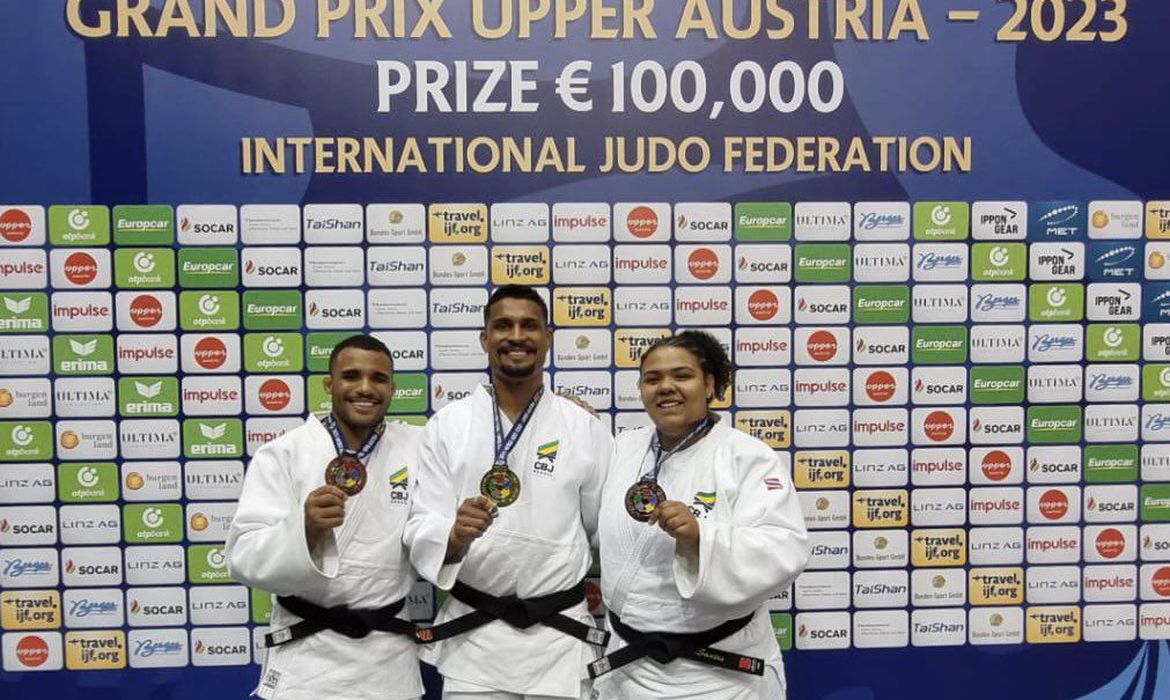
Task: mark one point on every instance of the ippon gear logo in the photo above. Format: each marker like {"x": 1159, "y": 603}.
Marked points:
{"x": 763, "y": 305}
{"x": 81, "y": 268}
{"x": 642, "y": 222}
{"x": 15, "y": 225}
{"x": 703, "y": 263}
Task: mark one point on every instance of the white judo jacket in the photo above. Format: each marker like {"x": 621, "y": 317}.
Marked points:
{"x": 752, "y": 545}
{"x": 362, "y": 565}
{"x": 540, "y": 544}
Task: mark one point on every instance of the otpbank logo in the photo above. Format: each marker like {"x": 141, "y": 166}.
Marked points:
{"x": 942, "y": 221}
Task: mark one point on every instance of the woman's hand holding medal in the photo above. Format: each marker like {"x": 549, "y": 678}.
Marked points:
{"x": 472, "y": 519}
{"x": 677, "y": 520}
{"x": 324, "y": 510}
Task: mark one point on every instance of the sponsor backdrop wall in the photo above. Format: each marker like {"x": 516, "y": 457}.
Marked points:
{"x": 933, "y": 236}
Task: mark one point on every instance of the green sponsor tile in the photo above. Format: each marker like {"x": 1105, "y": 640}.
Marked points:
{"x": 207, "y": 311}
{"x": 79, "y": 225}
{"x": 1048, "y": 425}
{"x": 148, "y": 396}
{"x": 1112, "y": 464}
{"x": 26, "y": 440}
{"x": 214, "y": 268}
{"x": 822, "y": 263}
{"x": 152, "y": 523}
{"x": 213, "y": 438}
{"x": 1156, "y": 383}
{"x": 261, "y": 606}
{"x": 207, "y": 563}
{"x": 1113, "y": 342}
{"x": 1155, "y": 503}
{"x": 997, "y": 384}
{"x": 999, "y": 262}
{"x": 272, "y": 310}
{"x": 274, "y": 352}
{"x": 942, "y": 221}
{"x": 939, "y": 345}
{"x": 763, "y": 221}
{"x": 319, "y": 400}
{"x": 87, "y": 482}
{"x": 144, "y": 224}
{"x": 782, "y": 628}
{"x": 881, "y": 304}
{"x": 144, "y": 268}
{"x": 75, "y": 355}
{"x": 24, "y": 312}
{"x": 318, "y": 347}
{"x": 411, "y": 393}
{"x": 1056, "y": 303}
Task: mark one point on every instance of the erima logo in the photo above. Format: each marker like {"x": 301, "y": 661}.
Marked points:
{"x": 83, "y": 349}
{"x": 18, "y": 306}
{"x": 212, "y": 432}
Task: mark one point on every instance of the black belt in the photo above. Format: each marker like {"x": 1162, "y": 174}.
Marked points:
{"x": 354, "y": 624}
{"x": 521, "y": 613}
{"x": 665, "y": 647}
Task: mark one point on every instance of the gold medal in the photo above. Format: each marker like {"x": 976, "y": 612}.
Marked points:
{"x": 500, "y": 484}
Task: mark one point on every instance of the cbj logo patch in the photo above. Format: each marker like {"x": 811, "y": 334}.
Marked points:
{"x": 400, "y": 486}
{"x": 703, "y": 504}
{"x": 546, "y": 458}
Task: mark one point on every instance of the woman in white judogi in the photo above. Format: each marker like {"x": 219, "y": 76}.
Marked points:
{"x": 699, "y": 526}
{"x": 356, "y": 558}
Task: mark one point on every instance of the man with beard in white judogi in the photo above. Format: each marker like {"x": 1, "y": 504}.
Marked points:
{"x": 319, "y": 524}
{"x": 505, "y": 522}
{"x": 699, "y": 527}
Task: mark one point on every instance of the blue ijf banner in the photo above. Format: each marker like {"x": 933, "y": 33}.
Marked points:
{"x": 933, "y": 236}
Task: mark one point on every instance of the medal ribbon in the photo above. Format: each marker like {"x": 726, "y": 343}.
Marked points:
{"x": 367, "y": 447}
{"x": 504, "y": 444}
{"x": 660, "y": 457}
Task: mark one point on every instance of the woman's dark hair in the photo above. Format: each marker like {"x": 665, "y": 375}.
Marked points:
{"x": 707, "y": 350}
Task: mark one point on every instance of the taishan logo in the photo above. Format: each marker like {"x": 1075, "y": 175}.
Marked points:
{"x": 642, "y": 222}
{"x": 703, "y": 263}
{"x": 763, "y": 305}
{"x": 15, "y": 225}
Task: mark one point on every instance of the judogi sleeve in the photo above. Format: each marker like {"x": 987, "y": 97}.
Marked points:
{"x": 759, "y": 550}
{"x": 433, "y": 505}
{"x": 266, "y": 546}
{"x": 591, "y": 490}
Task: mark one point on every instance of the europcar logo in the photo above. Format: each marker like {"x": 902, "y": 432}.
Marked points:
{"x": 209, "y": 268}
{"x": 763, "y": 221}
{"x": 144, "y": 225}
{"x": 276, "y": 309}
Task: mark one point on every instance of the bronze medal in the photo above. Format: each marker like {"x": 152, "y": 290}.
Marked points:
{"x": 347, "y": 473}
{"x": 500, "y": 484}
{"x": 642, "y": 498}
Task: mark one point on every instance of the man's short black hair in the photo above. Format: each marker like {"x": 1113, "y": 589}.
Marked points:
{"x": 516, "y": 291}
{"x": 360, "y": 341}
